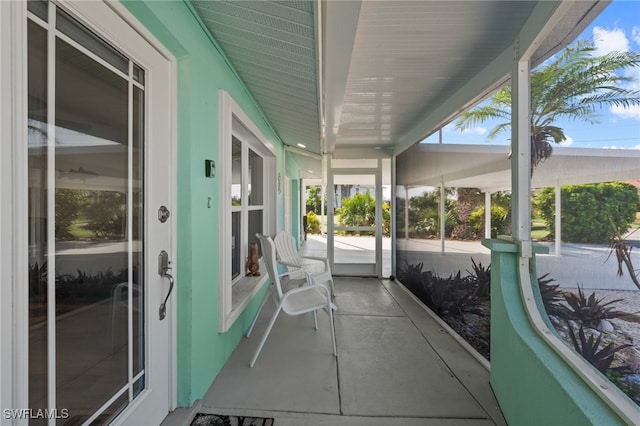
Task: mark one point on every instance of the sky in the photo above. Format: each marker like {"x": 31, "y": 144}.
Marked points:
{"x": 617, "y": 28}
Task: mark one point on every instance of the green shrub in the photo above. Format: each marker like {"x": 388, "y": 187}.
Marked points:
{"x": 386, "y": 219}
{"x": 586, "y": 210}
{"x": 313, "y": 223}
{"x": 499, "y": 221}
{"x": 359, "y": 210}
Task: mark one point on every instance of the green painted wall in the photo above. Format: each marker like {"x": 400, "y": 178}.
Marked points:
{"x": 201, "y": 72}
{"x": 526, "y": 374}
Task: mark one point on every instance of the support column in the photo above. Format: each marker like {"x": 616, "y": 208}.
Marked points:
{"x": 322, "y": 207}
{"x": 487, "y": 214}
{"x": 558, "y": 221}
{"x": 442, "y": 213}
{"x": 521, "y": 148}
{"x": 406, "y": 212}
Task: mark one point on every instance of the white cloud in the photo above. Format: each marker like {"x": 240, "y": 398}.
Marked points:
{"x": 606, "y": 41}
{"x": 632, "y": 112}
{"x": 621, "y": 147}
{"x": 474, "y": 131}
{"x": 635, "y": 34}
{"x": 567, "y": 142}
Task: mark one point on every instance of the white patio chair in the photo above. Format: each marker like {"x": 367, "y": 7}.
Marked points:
{"x": 297, "y": 301}
{"x": 317, "y": 267}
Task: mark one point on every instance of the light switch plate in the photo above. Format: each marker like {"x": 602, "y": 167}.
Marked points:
{"x": 209, "y": 168}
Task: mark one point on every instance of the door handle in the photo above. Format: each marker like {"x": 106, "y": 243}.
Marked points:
{"x": 163, "y": 268}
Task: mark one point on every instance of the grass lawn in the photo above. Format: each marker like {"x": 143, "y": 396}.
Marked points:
{"x": 538, "y": 229}
{"x": 78, "y": 230}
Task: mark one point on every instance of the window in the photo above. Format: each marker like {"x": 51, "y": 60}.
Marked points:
{"x": 247, "y": 191}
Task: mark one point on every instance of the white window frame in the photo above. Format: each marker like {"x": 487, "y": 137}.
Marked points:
{"x": 14, "y": 329}
{"x": 235, "y": 294}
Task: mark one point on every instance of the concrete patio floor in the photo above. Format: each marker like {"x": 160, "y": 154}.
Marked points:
{"x": 396, "y": 365}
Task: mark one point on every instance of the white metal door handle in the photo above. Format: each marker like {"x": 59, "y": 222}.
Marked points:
{"x": 163, "y": 268}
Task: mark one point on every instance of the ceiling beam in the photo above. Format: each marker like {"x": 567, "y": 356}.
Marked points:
{"x": 339, "y": 28}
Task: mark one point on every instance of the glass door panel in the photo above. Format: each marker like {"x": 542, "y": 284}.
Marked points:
{"x": 86, "y": 227}
{"x": 355, "y": 222}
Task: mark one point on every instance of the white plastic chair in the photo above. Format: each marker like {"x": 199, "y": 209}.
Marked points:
{"x": 297, "y": 301}
{"x": 317, "y": 267}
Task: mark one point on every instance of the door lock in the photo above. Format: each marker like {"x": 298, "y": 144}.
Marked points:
{"x": 163, "y": 268}
{"x": 163, "y": 214}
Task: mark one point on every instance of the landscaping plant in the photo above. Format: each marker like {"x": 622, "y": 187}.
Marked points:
{"x": 590, "y": 350}
{"x": 589, "y": 310}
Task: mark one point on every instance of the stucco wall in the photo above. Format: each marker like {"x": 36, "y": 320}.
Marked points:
{"x": 201, "y": 72}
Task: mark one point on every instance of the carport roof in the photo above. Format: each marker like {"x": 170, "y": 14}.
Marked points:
{"x": 488, "y": 166}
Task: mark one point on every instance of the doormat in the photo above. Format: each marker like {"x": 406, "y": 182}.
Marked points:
{"x": 204, "y": 419}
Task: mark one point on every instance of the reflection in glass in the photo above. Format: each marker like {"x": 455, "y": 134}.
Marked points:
{"x": 97, "y": 224}
{"x": 79, "y": 33}
{"x": 38, "y": 8}
{"x": 137, "y": 215}
{"x": 255, "y": 227}
{"x": 256, "y": 177}
{"x": 37, "y": 220}
{"x": 235, "y": 245}
{"x": 236, "y": 172}
{"x": 91, "y": 233}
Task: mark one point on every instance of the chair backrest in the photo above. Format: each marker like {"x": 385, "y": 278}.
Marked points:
{"x": 286, "y": 248}
{"x": 269, "y": 255}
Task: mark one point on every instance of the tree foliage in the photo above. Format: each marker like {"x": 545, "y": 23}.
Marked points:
{"x": 106, "y": 214}
{"x": 574, "y": 86}
{"x": 314, "y": 200}
{"x": 587, "y": 209}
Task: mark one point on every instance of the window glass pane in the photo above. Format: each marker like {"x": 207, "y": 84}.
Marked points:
{"x": 138, "y": 74}
{"x": 37, "y": 219}
{"x": 70, "y": 27}
{"x": 38, "y": 8}
{"x": 255, "y": 226}
{"x": 137, "y": 217}
{"x": 236, "y": 173}
{"x": 256, "y": 179}
{"x": 235, "y": 245}
{"x": 91, "y": 258}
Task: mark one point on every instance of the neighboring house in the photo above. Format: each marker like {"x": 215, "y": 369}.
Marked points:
{"x": 170, "y": 140}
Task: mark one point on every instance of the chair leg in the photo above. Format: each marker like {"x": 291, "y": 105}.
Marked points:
{"x": 333, "y": 330}
{"x": 255, "y": 318}
{"x": 315, "y": 320}
{"x": 333, "y": 289}
{"x": 264, "y": 337}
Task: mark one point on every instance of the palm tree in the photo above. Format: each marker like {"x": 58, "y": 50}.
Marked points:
{"x": 574, "y": 85}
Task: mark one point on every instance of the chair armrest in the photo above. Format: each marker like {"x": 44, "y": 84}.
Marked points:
{"x": 307, "y": 275}
{"x": 322, "y": 259}
{"x": 290, "y": 264}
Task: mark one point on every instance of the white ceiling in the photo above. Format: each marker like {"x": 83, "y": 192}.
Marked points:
{"x": 378, "y": 75}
